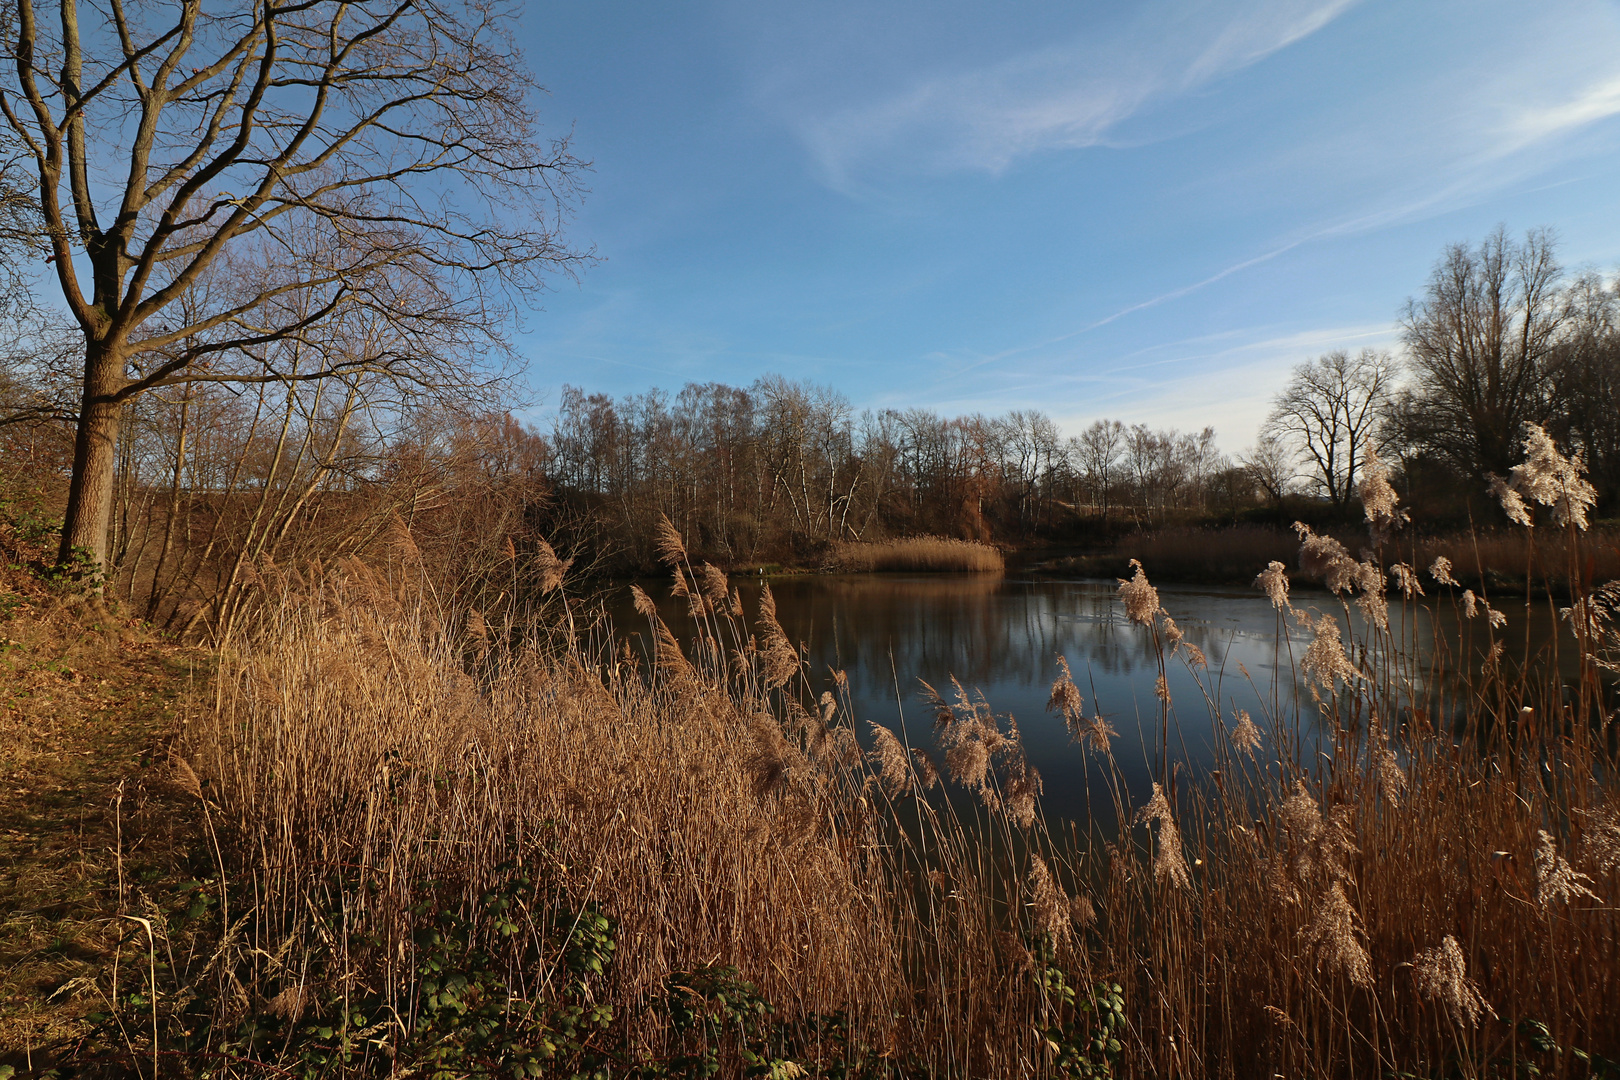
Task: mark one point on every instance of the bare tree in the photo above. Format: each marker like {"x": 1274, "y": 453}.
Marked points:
{"x": 1330, "y": 412}
{"x": 1097, "y": 451}
{"x": 1585, "y": 371}
{"x": 1480, "y": 339}
{"x": 1271, "y": 467}
{"x": 375, "y": 164}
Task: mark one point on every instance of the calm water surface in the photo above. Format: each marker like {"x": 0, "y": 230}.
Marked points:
{"x": 1001, "y": 636}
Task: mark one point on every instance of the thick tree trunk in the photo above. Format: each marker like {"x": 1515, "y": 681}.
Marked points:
{"x": 95, "y": 457}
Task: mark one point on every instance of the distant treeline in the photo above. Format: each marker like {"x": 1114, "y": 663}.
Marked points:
{"x": 781, "y": 467}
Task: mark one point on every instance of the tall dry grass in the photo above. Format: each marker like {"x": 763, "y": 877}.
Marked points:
{"x": 1513, "y": 557}
{"x": 364, "y": 744}
{"x": 917, "y": 554}
{"x": 1359, "y": 888}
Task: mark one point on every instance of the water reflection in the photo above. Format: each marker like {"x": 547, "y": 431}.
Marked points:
{"x": 1002, "y": 635}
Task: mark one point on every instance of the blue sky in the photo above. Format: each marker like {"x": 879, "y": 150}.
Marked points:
{"x": 1147, "y": 211}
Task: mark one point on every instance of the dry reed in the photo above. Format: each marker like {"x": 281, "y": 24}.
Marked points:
{"x": 1360, "y": 889}
{"x": 917, "y": 554}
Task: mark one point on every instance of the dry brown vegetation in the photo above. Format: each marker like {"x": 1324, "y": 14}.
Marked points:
{"x": 1230, "y": 554}
{"x": 1418, "y": 903}
{"x": 1395, "y": 870}
{"x": 1513, "y": 556}
{"x": 91, "y": 825}
{"x": 1497, "y": 557}
{"x": 918, "y": 554}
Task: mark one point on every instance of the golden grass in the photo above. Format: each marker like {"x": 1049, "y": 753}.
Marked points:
{"x": 917, "y": 554}
{"x": 713, "y": 819}
{"x": 1361, "y": 889}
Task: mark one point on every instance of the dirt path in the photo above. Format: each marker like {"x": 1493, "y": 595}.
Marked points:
{"x": 94, "y": 826}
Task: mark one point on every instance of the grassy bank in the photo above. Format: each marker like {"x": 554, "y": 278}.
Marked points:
{"x": 917, "y": 554}
{"x": 95, "y": 829}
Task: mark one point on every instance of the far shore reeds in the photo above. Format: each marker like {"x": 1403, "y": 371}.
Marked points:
{"x": 1507, "y": 557}
{"x": 917, "y": 554}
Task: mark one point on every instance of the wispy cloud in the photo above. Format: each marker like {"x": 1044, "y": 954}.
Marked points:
{"x": 1185, "y": 290}
{"x": 1066, "y": 96}
{"x": 1596, "y": 101}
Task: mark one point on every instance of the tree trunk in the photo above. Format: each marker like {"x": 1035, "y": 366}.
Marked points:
{"x": 95, "y": 459}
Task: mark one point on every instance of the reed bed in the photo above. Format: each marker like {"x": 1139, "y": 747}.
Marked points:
{"x": 1190, "y": 554}
{"x": 917, "y": 554}
{"x": 1518, "y": 556}
{"x": 1395, "y": 870}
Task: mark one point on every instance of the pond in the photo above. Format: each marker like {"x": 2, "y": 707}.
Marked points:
{"x": 1001, "y": 635}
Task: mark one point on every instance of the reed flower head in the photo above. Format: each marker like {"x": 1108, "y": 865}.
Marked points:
{"x": 926, "y": 772}
{"x": 477, "y": 632}
{"x": 289, "y": 1005}
{"x": 1066, "y": 700}
{"x": 1324, "y": 658}
{"x": 1172, "y": 632}
{"x": 1021, "y": 788}
{"x": 1091, "y": 731}
{"x": 1048, "y": 903}
{"x": 1246, "y": 734}
{"x": 894, "y": 764}
{"x": 1273, "y": 581}
{"x": 716, "y": 589}
{"x": 667, "y": 540}
{"x": 546, "y": 563}
{"x": 1441, "y": 975}
{"x": 1546, "y": 477}
{"x": 1335, "y": 940}
{"x": 974, "y": 744}
{"x": 1323, "y": 845}
{"x": 1600, "y": 841}
{"x": 1169, "y": 864}
{"x": 1391, "y": 777}
{"x": 1440, "y": 570}
{"x": 1470, "y": 604}
{"x": 1326, "y": 558}
{"x": 1371, "y": 598}
{"x": 1379, "y": 501}
{"x": 1512, "y": 504}
{"x": 1557, "y": 882}
{"x": 1406, "y": 579}
{"x": 400, "y": 539}
{"x": 1098, "y": 733}
{"x": 1595, "y": 617}
{"x": 969, "y": 763}
{"x": 1140, "y": 598}
{"x": 779, "y": 660}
